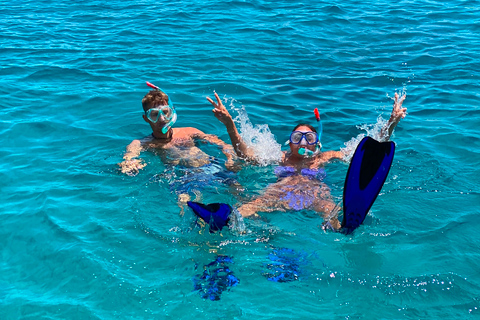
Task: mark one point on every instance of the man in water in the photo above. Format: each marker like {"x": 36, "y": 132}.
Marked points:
{"x": 176, "y": 146}
{"x": 192, "y": 168}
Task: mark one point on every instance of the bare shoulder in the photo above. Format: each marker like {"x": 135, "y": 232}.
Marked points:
{"x": 187, "y": 131}
{"x": 136, "y": 143}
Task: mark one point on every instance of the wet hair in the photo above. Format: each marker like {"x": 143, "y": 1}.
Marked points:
{"x": 154, "y": 98}
{"x": 305, "y": 125}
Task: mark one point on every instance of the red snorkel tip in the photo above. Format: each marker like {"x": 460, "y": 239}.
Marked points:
{"x": 152, "y": 86}
{"x": 317, "y": 114}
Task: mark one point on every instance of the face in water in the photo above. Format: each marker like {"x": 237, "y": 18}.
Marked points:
{"x": 303, "y": 137}
{"x": 163, "y": 117}
{"x": 300, "y": 137}
{"x": 161, "y": 113}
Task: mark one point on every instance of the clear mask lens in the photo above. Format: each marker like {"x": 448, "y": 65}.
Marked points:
{"x": 164, "y": 113}
{"x": 310, "y": 137}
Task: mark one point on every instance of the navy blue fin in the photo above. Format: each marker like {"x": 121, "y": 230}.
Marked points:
{"x": 365, "y": 178}
{"x": 215, "y": 214}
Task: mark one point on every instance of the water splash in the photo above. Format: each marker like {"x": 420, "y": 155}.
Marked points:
{"x": 236, "y": 223}
{"x": 372, "y": 130}
{"x": 259, "y": 137}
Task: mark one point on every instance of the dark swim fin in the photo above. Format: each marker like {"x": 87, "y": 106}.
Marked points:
{"x": 366, "y": 175}
{"x": 216, "y": 215}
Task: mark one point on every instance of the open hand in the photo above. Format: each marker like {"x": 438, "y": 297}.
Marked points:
{"x": 131, "y": 167}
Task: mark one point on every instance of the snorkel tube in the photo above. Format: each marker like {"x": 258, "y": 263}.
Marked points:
{"x": 170, "y": 124}
{"x": 167, "y": 126}
{"x": 320, "y": 127}
{"x": 309, "y": 153}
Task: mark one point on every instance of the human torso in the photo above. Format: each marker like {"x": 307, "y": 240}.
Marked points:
{"x": 300, "y": 183}
{"x": 179, "y": 150}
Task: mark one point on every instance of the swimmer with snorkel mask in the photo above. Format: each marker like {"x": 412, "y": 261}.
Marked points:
{"x": 178, "y": 150}
{"x": 300, "y": 172}
{"x": 176, "y": 146}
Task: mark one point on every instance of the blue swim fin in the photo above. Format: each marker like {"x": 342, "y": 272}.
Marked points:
{"x": 216, "y": 215}
{"x": 366, "y": 175}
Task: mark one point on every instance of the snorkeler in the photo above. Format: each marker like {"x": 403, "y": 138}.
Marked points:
{"x": 177, "y": 145}
{"x": 300, "y": 174}
{"x": 192, "y": 168}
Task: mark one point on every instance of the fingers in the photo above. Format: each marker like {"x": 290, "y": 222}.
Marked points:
{"x": 219, "y": 104}
{"x": 132, "y": 167}
{"x": 211, "y": 101}
{"x": 218, "y": 99}
{"x": 398, "y": 102}
{"x": 217, "y": 113}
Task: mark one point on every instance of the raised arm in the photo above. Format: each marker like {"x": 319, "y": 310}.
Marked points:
{"x": 398, "y": 113}
{"x": 222, "y": 114}
{"x": 130, "y": 164}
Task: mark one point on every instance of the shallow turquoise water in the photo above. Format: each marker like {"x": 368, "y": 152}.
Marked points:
{"x": 81, "y": 241}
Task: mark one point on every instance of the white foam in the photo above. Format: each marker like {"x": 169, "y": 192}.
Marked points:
{"x": 236, "y": 223}
{"x": 259, "y": 137}
{"x": 371, "y": 130}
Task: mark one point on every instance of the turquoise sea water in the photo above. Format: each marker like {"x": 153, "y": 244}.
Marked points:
{"x": 79, "y": 240}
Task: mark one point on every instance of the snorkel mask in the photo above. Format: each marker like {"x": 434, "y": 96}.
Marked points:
{"x": 310, "y": 137}
{"x": 166, "y": 112}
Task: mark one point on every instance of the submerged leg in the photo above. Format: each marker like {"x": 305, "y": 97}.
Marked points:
{"x": 330, "y": 212}
{"x": 250, "y": 209}
{"x": 183, "y": 198}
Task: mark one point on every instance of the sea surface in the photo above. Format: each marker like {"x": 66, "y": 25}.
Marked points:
{"x": 80, "y": 240}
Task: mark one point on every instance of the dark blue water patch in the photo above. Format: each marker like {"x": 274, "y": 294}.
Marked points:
{"x": 216, "y": 278}
{"x": 333, "y": 9}
{"x": 54, "y": 73}
{"x": 285, "y": 265}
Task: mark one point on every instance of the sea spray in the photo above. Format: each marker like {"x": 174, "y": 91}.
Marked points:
{"x": 372, "y": 130}
{"x": 259, "y": 137}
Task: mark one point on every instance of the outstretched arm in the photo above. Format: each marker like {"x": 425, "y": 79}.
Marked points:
{"x": 130, "y": 165}
{"x": 222, "y": 114}
{"x": 398, "y": 113}
{"x": 213, "y": 139}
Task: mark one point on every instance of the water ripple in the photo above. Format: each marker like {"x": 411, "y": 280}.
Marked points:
{"x": 80, "y": 238}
